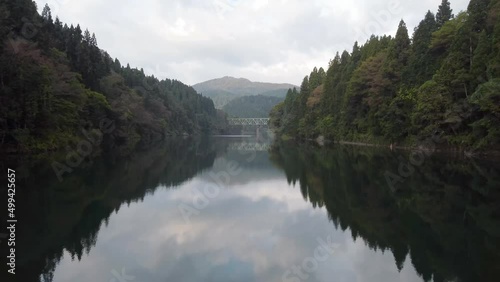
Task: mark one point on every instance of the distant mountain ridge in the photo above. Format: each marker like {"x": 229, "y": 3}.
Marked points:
{"x": 225, "y": 89}
{"x": 257, "y": 106}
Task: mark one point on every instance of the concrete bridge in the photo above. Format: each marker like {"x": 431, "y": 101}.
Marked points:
{"x": 248, "y": 121}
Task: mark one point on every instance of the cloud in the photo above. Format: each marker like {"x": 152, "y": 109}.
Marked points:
{"x": 263, "y": 40}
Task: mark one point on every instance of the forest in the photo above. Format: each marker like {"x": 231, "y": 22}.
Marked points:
{"x": 257, "y": 106}
{"x": 442, "y": 81}
{"x": 58, "y": 86}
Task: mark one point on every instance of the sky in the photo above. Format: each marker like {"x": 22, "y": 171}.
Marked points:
{"x": 277, "y": 41}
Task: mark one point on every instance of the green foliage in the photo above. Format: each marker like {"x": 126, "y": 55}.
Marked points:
{"x": 430, "y": 106}
{"x": 59, "y": 83}
{"x": 397, "y": 90}
{"x": 444, "y": 13}
{"x": 422, "y": 62}
{"x": 444, "y": 36}
{"x": 251, "y": 106}
{"x": 487, "y": 98}
{"x": 276, "y": 116}
{"x": 326, "y": 127}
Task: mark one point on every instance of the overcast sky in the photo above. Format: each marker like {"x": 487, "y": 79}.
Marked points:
{"x": 262, "y": 40}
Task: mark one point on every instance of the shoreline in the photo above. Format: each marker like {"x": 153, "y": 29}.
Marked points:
{"x": 456, "y": 151}
{"x": 440, "y": 149}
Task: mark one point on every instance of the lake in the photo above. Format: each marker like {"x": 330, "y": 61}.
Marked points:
{"x": 218, "y": 209}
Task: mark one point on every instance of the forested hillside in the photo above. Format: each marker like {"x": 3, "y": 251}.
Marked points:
{"x": 224, "y": 90}
{"x": 257, "y": 106}
{"x": 58, "y": 86}
{"x": 444, "y": 80}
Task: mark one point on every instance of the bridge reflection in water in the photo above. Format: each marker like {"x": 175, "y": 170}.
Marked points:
{"x": 255, "y": 126}
{"x": 249, "y": 146}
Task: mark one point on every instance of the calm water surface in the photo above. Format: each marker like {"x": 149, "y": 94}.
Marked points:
{"x": 240, "y": 210}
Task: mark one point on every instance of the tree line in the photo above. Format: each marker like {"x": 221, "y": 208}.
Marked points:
{"x": 57, "y": 83}
{"x": 443, "y": 81}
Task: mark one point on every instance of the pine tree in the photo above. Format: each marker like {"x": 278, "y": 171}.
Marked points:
{"x": 314, "y": 79}
{"x": 304, "y": 93}
{"x": 322, "y": 74}
{"x": 398, "y": 55}
{"x": 93, "y": 40}
{"x": 355, "y": 57}
{"x": 117, "y": 67}
{"x": 480, "y": 60}
{"x": 46, "y": 14}
{"x": 478, "y": 14}
{"x": 494, "y": 21}
{"x": 422, "y": 63}
{"x": 401, "y": 44}
{"x": 444, "y": 13}
{"x": 86, "y": 37}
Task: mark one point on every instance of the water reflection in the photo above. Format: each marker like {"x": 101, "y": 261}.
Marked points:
{"x": 65, "y": 217}
{"x": 444, "y": 218}
{"x": 120, "y": 219}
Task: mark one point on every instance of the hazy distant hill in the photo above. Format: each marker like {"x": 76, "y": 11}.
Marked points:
{"x": 223, "y": 90}
{"x": 252, "y": 106}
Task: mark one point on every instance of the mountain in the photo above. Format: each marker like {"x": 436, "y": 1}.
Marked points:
{"x": 223, "y": 90}
{"x": 251, "y": 106}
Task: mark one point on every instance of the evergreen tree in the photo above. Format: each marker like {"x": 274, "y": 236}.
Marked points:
{"x": 397, "y": 57}
{"x": 422, "y": 63}
{"x": 444, "y": 13}
{"x": 46, "y": 14}
{"x": 480, "y": 60}
{"x": 400, "y": 46}
{"x": 314, "y": 79}
{"x": 442, "y": 82}
{"x": 304, "y": 94}
{"x": 478, "y": 14}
